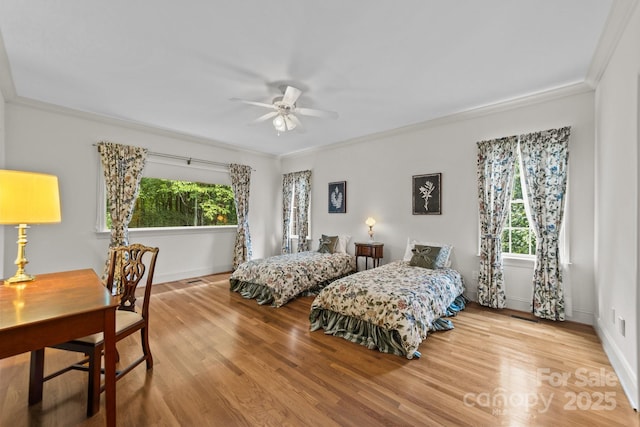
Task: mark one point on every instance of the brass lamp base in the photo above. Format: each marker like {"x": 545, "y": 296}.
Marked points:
{"x": 18, "y": 279}
{"x": 21, "y": 259}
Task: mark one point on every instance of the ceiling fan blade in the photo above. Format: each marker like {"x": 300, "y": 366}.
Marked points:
{"x": 317, "y": 113}
{"x": 291, "y": 95}
{"x": 259, "y": 104}
{"x": 296, "y": 122}
{"x": 288, "y": 123}
{"x": 265, "y": 117}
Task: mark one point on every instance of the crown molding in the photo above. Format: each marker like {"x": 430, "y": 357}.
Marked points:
{"x": 128, "y": 124}
{"x": 7, "y": 87}
{"x": 617, "y": 21}
{"x": 504, "y": 105}
{"x": 468, "y": 114}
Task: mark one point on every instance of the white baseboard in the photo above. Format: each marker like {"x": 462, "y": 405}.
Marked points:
{"x": 578, "y": 316}
{"x": 181, "y": 275}
{"x": 628, "y": 379}
{"x": 518, "y": 304}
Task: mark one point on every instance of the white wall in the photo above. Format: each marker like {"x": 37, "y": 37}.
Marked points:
{"x": 52, "y": 140}
{"x": 379, "y": 170}
{"x": 2, "y": 144}
{"x": 616, "y": 232}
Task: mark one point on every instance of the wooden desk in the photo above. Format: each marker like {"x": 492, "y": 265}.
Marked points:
{"x": 373, "y": 250}
{"x": 52, "y": 309}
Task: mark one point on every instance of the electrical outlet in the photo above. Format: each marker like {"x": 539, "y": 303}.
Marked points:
{"x": 475, "y": 274}
{"x": 621, "y": 326}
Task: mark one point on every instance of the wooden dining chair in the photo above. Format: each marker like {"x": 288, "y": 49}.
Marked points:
{"x": 127, "y": 267}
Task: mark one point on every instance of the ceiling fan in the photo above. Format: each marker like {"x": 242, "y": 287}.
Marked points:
{"x": 284, "y": 108}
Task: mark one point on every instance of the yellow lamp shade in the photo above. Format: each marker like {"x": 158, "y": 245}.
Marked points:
{"x": 28, "y": 198}
{"x": 370, "y": 222}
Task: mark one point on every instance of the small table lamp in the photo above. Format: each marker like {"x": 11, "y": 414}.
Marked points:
{"x": 27, "y": 197}
{"x": 370, "y": 222}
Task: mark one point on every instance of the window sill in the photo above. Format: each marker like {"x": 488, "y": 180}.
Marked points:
{"x": 168, "y": 231}
{"x": 523, "y": 261}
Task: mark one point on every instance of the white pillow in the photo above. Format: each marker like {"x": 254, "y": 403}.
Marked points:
{"x": 443, "y": 259}
{"x": 343, "y": 240}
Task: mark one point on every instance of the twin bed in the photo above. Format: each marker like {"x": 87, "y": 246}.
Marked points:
{"x": 391, "y": 308}
{"x": 278, "y": 279}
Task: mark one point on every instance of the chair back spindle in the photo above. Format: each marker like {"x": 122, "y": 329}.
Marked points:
{"x": 127, "y": 268}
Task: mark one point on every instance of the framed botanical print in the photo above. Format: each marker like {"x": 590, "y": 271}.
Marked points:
{"x": 338, "y": 197}
{"x": 427, "y": 194}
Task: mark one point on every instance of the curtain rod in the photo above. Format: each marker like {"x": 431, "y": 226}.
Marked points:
{"x": 186, "y": 159}
{"x": 189, "y": 160}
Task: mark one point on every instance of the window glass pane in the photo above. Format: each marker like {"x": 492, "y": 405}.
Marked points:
{"x": 294, "y": 220}
{"x": 172, "y": 203}
{"x": 520, "y": 239}
{"x": 294, "y": 224}
{"x": 518, "y": 215}
{"x": 517, "y": 236}
{"x": 505, "y": 240}
{"x": 517, "y": 186}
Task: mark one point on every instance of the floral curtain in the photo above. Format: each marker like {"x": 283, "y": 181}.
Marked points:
{"x": 287, "y": 194}
{"x": 545, "y": 160}
{"x": 300, "y": 183}
{"x": 496, "y": 161}
{"x": 303, "y": 193}
{"x": 240, "y": 182}
{"x": 122, "y": 166}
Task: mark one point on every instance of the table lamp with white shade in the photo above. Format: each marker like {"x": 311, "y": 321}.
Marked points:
{"x": 370, "y": 222}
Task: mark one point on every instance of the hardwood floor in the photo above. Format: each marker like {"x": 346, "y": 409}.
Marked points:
{"x": 221, "y": 360}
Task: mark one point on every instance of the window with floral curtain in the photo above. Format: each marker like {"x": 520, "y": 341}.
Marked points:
{"x": 296, "y": 184}
{"x": 544, "y": 160}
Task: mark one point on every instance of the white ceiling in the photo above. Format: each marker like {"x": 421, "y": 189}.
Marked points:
{"x": 380, "y": 64}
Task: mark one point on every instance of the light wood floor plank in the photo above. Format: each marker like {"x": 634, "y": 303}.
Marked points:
{"x": 222, "y": 360}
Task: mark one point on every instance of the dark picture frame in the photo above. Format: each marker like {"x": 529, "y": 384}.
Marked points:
{"x": 427, "y": 194}
{"x": 337, "y": 197}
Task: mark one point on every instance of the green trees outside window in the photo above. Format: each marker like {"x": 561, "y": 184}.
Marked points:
{"x": 517, "y": 235}
{"x": 169, "y": 203}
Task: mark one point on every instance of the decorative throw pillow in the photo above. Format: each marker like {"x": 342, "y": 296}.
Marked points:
{"x": 327, "y": 244}
{"x": 424, "y": 256}
{"x": 443, "y": 260}
{"x": 341, "y": 246}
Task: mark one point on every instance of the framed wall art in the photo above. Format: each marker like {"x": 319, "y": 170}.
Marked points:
{"x": 338, "y": 197}
{"x": 427, "y": 194}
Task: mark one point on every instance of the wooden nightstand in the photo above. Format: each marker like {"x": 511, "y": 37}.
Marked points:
{"x": 373, "y": 250}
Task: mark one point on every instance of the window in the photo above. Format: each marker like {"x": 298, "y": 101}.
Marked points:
{"x": 171, "y": 203}
{"x": 517, "y": 236}
{"x": 294, "y": 223}
{"x": 173, "y": 195}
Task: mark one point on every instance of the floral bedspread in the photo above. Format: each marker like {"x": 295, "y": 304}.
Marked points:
{"x": 394, "y": 296}
{"x": 286, "y": 276}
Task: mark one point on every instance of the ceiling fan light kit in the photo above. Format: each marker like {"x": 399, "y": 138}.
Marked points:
{"x": 285, "y": 106}
{"x": 282, "y": 123}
